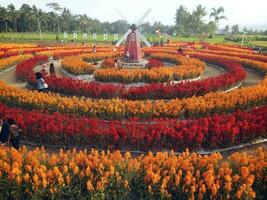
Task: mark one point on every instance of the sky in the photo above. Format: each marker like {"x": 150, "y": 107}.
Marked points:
{"x": 252, "y": 14}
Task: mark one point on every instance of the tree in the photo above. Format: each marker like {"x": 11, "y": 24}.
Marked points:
{"x": 25, "y": 21}
{"x": 235, "y": 29}
{"x": 5, "y": 17}
{"x": 217, "y": 15}
{"x": 211, "y": 28}
{"x": 13, "y": 15}
{"x": 197, "y": 19}
{"x": 56, "y": 7}
{"x": 181, "y": 19}
{"x": 226, "y": 29}
{"x": 39, "y": 16}
{"x": 83, "y": 21}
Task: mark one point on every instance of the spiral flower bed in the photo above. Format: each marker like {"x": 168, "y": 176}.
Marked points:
{"x": 70, "y": 86}
{"x": 155, "y": 116}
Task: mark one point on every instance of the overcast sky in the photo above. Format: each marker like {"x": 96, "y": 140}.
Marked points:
{"x": 246, "y": 13}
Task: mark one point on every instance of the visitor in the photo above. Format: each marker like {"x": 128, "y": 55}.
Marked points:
{"x": 57, "y": 38}
{"x": 94, "y": 49}
{"x": 14, "y": 133}
{"x": 180, "y": 51}
{"x": 43, "y": 70}
{"x": 40, "y": 83}
{"x": 1, "y": 123}
{"x": 127, "y": 56}
{"x": 52, "y": 70}
{"x": 116, "y": 63}
{"x": 4, "y": 134}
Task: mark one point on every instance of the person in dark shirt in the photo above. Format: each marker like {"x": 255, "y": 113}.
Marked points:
{"x": 52, "y": 70}
{"x": 14, "y": 133}
{"x": 4, "y": 134}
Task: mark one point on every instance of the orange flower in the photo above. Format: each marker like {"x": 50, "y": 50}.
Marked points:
{"x": 244, "y": 172}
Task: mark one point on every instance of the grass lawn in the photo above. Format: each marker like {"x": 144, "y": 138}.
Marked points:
{"x": 259, "y": 43}
{"x": 51, "y": 38}
{"x": 33, "y": 37}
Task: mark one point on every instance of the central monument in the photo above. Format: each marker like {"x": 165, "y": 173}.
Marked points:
{"x": 133, "y": 57}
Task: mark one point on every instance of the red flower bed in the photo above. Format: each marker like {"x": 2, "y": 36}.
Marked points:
{"x": 9, "y": 54}
{"x": 24, "y": 70}
{"x": 154, "y": 63}
{"x": 240, "y": 54}
{"x": 209, "y": 132}
{"x": 152, "y": 91}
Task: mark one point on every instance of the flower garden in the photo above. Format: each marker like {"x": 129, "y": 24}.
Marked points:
{"x": 170, "y": 107}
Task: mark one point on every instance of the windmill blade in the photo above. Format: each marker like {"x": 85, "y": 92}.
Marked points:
{"x": 123, "y": 38}
{"x": 143, "y": 17}
{"x": 121, "y": 15}
{"x": 143, "y": 38}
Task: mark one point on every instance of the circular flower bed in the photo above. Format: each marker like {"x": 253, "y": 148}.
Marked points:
{"x": 186, "y": 68}
{"x": 154, "y": 116}
{"x": 79, "y": 65}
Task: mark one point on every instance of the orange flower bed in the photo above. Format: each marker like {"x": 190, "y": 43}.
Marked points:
{"x": 37, "y": 174}
{"x": 79, "y": 64}
{"x": 115, "y": 108}
{"x": 187, "y": 68}
{"x": 10, "y": 61}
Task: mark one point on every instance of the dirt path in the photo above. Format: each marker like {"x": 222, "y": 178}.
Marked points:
{"x": 252, "y": 78}
{"x": 211, "y": 71}
{"x": 9, "y": 77}
{"x": 57, "y": 65}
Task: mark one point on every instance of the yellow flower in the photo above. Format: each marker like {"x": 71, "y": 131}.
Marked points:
{"x": 89, "y": 186}
{"x": 26, "y": 177}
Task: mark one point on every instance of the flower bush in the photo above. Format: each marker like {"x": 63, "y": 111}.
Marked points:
{"x": 79, "y": 64}
{"x": 70, "y": 86}
{"x": 217, "y": 131}
{"x": 188, "y": 68}
{"x": 108, "y": 63}
{"x": 210, "y": 103}
{"x": 154, "y": 63}
{"x": 13, "y": 60}
{"x": 104, "y": 175}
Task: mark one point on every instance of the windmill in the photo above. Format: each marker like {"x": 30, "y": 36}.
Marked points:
{"x": 132, "y": 37}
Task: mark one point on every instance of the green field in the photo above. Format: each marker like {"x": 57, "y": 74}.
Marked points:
{"x": 51, "y": 38}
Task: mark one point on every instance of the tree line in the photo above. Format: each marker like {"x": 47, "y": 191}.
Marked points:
{"x": 31, "y": 19}
{"x": 60, "y": 19}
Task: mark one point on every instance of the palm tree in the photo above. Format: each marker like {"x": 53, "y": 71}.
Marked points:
{"x": 217, "y": 14}
{"x": 5, "y": 17}
{"x": 40, "y": 17}
{"x": 13, "y": 15}
{"x": 197, "y": 16}
{"x": 181, "y": 18}
{"x": 83, "y": 21}
{"x": 56, "y": 7}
